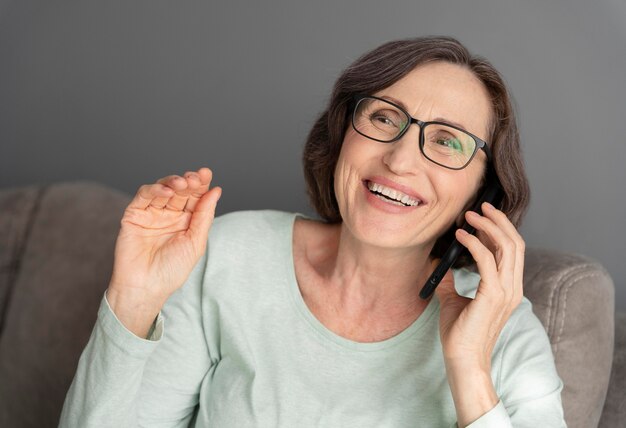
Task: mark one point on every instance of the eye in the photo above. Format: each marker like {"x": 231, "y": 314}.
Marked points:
{"x": 449, "y": 142}
{"x": 386, "y": 119}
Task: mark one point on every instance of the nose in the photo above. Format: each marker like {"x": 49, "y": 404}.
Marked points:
{"x": 404, "y": 155}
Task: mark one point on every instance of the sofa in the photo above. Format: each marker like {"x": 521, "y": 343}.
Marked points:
{"x": 56, "y": 258}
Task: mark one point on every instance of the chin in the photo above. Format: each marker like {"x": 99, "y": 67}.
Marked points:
{"x": 381, "y": 232}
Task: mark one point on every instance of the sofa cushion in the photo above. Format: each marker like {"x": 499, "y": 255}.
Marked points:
{"x": 17, "y": 208}
{"x": 65, "y": 267}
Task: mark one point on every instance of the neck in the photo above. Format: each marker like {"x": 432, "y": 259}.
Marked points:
{"x": 369, "y": 278}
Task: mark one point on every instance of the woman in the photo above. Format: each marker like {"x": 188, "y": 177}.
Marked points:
{"x": 277, "y": 319}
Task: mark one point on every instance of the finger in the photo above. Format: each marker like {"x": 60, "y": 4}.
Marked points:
{"x": 202, "y": 217}
{"x": 518, "y": 281}
{"x": 484, "y": 260}
{"x": 504, "y": 255}
{"x": 204, "y": 176}
{"x": 503, "y": 246}
{"x": 179, "y": 200}
{"x": 505, "y": 224}
{"x": 147, "y": 193}
{"x": 175, "y": 182}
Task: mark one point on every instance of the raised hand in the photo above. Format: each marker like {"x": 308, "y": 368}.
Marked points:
{"x": 163, "y": 234}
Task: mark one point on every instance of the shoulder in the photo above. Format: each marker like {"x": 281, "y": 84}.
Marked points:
{"x": 244, "y": 248}
{"x": 239, "y": 218}
{"x": 248, "y": 225}
{"x": 250, "y": 241}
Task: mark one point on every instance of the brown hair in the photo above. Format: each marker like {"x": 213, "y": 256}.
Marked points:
{"x": 381, "y": 68}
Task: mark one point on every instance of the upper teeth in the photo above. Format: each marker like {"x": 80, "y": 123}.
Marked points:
{"x": 394, "y": 194}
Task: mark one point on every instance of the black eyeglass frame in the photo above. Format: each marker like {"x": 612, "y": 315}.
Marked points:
{"x": 480, "y": 144}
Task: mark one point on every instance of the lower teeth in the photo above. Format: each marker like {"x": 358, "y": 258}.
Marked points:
{"x": 389, "y": 200}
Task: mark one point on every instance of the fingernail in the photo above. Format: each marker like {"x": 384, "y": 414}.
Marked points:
{"x": 489, "y": 206}
{"x": 462, "y": 232}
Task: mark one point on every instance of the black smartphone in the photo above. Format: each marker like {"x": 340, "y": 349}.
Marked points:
{"x": 493, "y": 194}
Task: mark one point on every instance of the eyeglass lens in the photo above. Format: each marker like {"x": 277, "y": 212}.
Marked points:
{"x": 443, "y": 144}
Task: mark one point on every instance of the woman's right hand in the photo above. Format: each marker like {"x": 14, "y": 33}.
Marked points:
{"x": 163, "y": 234}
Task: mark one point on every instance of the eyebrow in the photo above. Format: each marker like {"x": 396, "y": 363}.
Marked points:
{"x": 437, "y": 119}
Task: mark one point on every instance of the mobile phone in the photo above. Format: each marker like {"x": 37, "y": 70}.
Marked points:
{"x": 493, "y": 194}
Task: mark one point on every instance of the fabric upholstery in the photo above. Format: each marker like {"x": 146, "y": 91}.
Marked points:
{"x": 614, "y": 413}
{"x": 64, "y": 268}
{"x": 573, "y": 296}
{"x": 17, "y": 207}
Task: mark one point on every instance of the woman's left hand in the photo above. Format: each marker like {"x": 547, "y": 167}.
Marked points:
{"x": 469, "y": 328}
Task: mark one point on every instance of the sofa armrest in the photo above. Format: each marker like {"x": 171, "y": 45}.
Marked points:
{"x": 574, "y": 297}
{"x": 614, "y": 413}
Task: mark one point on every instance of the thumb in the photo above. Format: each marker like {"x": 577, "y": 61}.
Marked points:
{"x": 203, "y": 215}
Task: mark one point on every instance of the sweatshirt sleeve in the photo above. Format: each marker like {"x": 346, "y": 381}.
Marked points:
{"x": 529, "y": 385}
{"x": 123, "y": 380}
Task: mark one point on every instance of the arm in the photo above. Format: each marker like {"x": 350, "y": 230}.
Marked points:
{"x": 474, "y": 395}
{"x": 529, "y": 385}
{"x": 470, "y": 329}
{"x": 123, "y": 380}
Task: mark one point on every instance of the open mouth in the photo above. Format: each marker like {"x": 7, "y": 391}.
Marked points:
{"x": 390, "y": 199}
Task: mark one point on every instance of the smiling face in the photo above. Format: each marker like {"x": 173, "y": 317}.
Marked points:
{"x": 433, "y": 91}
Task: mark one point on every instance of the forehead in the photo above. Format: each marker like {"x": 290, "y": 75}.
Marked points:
{"x": 444, "y": 90}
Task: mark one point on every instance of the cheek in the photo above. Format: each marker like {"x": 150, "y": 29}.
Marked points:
{"x": 455, "y": 195}
{"x": 348, "y": 158}
{"x": 353, "y": 157}
{"x": 465, "y": 199}
{"x": 346, "y": 179}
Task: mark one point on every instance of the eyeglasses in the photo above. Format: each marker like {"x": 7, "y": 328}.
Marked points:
{"x": 440, "y": 142}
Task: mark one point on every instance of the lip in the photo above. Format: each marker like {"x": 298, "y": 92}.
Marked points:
{"x": 382, "y": 205}
{"x": 393, "y": 185}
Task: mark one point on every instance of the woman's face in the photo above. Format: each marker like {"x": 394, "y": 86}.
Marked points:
{"x": 433, "y": 91}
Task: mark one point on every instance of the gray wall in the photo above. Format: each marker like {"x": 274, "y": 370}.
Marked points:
{"x": 125, "y": 92}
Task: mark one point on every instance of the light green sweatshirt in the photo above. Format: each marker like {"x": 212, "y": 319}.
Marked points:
{"x": 236, "y": 346}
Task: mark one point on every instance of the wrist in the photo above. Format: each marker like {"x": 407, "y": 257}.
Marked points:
{"x": 467, "y": 364}
{"x": 472, "y": 391}
{"x": 137, "y": 313}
